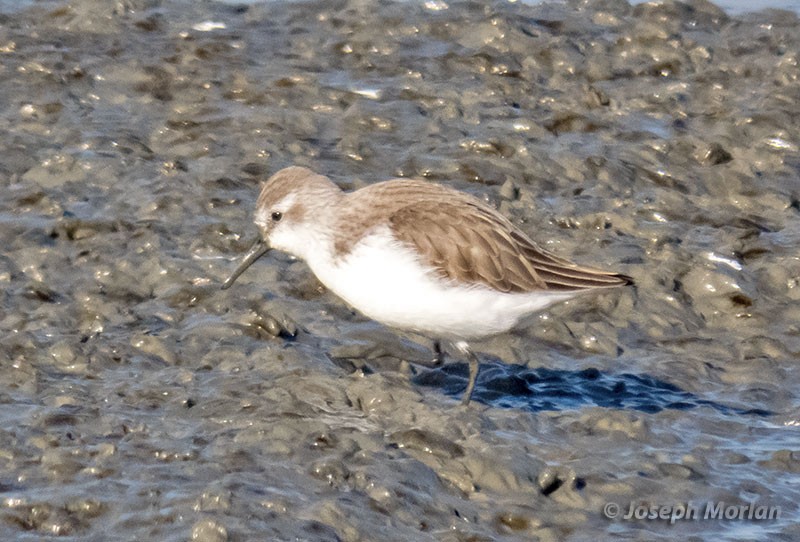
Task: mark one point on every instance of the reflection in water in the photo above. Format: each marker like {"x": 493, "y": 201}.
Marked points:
{"x": 518, "y": 386}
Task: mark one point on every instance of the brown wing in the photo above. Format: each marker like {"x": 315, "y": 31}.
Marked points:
{"x": 470, "y": 242}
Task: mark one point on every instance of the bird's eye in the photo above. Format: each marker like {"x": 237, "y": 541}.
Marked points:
{"x": 276, "y": 216}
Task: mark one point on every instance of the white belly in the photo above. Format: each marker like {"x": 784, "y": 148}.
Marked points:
{"x": 385, "y": 281}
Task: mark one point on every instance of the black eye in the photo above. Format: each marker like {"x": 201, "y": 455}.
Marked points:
{"x": 276, "y": 216}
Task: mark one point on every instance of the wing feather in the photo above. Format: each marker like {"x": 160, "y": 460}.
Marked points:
{"x": 466, "y": 241}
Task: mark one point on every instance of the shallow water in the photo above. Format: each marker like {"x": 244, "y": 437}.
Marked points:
{"x": 139, "y": 401}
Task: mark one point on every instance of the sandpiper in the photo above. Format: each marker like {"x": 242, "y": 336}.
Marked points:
{"x": 417, "y": 256}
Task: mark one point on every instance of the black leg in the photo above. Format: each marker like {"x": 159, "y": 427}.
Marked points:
{"x": 438, "y": 353}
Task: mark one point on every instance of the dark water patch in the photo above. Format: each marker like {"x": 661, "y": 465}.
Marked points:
{"x": 504, "y": 385}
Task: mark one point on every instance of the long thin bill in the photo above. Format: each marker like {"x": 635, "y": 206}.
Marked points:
{"x": 258, "y": 249}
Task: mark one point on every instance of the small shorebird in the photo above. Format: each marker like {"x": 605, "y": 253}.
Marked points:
{"x": 416, "y": 256}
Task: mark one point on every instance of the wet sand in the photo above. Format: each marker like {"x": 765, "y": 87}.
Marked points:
{"x": 138, "y": 401}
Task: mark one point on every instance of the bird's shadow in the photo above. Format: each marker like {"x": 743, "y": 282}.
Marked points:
{"x": 503, "y": 385}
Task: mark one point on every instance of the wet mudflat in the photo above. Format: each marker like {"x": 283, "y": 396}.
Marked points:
{"x": 138, "y": 401}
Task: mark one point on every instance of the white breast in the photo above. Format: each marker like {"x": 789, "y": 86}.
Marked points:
{"x": 385, "y": 281}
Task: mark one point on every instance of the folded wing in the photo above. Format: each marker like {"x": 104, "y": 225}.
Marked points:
{"x": 467, "y": 241}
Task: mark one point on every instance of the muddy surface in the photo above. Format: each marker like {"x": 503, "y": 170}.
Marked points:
{"x": 138, "y": 401}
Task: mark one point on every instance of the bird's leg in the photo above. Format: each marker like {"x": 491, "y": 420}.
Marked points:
{"x": 474, "y": 367}
{"x": 473, "y": 377}
{"x": 438, "y": 353}
{"x": 431, "y": 362}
